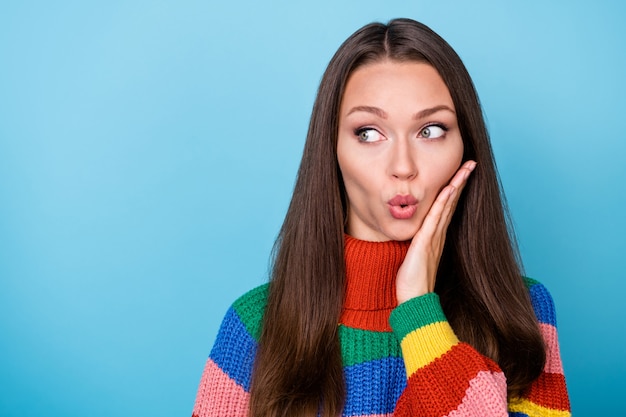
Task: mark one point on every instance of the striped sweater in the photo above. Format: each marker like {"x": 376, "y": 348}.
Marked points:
{"x": 398, "y": 360}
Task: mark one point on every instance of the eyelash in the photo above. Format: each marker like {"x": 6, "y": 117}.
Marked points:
{"x": 360, "y": 130}
{"x": 439, "y": 125}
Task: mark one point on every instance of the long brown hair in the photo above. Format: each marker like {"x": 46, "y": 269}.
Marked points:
{"x": 298, "y": 368}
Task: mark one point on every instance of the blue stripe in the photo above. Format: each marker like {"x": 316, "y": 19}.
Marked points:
{"x": 518, "y": 415}
{"x": 234, "y": 350}
{"x": 374, "y": 387}
{"x": 543, "y": 304}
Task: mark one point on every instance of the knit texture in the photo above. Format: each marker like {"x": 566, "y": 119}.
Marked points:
{"x": 371, "y": 269}
{"x": 398, "y": 360}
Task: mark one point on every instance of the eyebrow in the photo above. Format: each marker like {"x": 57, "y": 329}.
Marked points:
{"x": 419, "y": 115}
{"x": 427, "y": 112}
{"x": 369, "y": 109}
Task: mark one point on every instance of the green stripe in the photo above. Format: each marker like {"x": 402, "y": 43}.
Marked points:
{"x": 530, "y": 282}
{"x": 250, "y": 307}
{"x": 358, "y": 346}
{"x": 416, "y": 313}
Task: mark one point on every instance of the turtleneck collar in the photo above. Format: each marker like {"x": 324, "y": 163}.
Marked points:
{"x": 371, "y": 269}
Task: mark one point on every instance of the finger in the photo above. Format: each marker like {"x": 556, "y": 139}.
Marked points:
{"x": 446, "y": 215}
{"x": 440, "y": 213}
{"x": 433, "y": 218}
{"x": 458, "y": 181}
{"x": 460, "y": 178}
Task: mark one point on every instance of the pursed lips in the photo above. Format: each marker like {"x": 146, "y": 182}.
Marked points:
{"x": 402, "y": 207}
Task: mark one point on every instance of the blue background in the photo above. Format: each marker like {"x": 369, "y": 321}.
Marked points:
{"x": 148, "y": 151}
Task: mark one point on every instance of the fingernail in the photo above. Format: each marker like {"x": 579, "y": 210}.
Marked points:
{"x": 472, "y": 166}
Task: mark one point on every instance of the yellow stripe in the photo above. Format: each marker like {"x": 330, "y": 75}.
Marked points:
{"x": 423, "y": 345}
{"x": 522, "y": 405}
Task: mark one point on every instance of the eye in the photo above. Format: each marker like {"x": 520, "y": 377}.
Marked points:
{"x": 433, "y": 131}
{"x": 367, "y": 134}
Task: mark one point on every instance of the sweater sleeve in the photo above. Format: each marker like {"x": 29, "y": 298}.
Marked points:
{"x": 224, "y": 389}
{"x": 446, "y": 377}
{"x": 547, "y": 395}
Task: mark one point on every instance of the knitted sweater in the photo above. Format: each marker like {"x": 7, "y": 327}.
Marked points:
{"x": 398, "y": 360}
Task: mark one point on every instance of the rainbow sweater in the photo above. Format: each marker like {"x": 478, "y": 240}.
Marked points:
{"x": 398, "y": 360}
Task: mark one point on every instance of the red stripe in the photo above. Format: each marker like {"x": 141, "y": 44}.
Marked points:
{"x": 549, "y": 391}
{"x": 439, "y": 388}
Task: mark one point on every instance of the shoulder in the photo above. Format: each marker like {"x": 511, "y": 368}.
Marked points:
{"x": 235, "y": 345}
{"x": 240, "y": 329}
{"x": 542, "y": 301}
{"x": 249, "y": 308}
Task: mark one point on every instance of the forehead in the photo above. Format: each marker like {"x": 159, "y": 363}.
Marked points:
{"x": 391, "y": 84}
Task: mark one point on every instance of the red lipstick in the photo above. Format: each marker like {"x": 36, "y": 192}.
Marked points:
{"x": 402, "y": 207}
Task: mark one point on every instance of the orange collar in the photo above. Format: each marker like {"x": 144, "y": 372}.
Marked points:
{"x": 371, "y": 269}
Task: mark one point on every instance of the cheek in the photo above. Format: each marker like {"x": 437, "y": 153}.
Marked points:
{"x": 362, "y": 181}
{"x": 443, "y": 169}
{"x": 355, "y": 177}
{"x": 348, "y": 165}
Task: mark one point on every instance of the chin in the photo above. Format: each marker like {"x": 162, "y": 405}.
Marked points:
{"x": 402, "y": 230}
{"x": 401, "y": 235}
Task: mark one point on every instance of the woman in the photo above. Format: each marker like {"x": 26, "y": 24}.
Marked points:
{"x": 396, "y": 287}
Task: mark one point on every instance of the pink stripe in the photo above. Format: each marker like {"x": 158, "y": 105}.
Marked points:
{"x": 486, "y": 396}
{"x": 553, "y": 356}
{"x": 218, "y": 395}
{"x": 376, "y": 415}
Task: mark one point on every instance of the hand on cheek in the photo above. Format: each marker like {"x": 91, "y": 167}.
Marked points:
{"x": 419, "y": 270}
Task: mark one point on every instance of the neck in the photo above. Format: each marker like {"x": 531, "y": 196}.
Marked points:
{"x": 371, "y": 269}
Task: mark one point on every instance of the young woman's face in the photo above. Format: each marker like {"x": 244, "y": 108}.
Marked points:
{"x": 399, "y": 144}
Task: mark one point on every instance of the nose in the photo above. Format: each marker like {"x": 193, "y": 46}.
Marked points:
{"x": 402, "y": 162}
